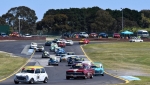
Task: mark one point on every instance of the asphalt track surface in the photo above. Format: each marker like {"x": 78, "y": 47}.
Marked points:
{"x": 56, "y": 73}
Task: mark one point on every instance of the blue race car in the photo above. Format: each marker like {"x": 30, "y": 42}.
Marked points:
{"x": 53, "y": 61}
{"x": 98, "y": 68}
{"x": 60, "y": 51}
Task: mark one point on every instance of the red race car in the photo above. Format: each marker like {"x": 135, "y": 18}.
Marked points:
{"x": 80, "y": 70}
{"x": 61, "y": 44}
{"x": 84, "y": 41}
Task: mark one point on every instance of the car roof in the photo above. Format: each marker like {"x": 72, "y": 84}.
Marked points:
{"x": 29, "y": 67}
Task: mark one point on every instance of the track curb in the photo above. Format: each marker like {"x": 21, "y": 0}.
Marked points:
{"x": 18, "y": 69}
{"x": 126, "y": 81}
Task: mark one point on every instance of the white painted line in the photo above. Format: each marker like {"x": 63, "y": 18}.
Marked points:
{"x": 30, "y": 51}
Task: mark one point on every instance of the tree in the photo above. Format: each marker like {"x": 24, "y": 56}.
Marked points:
{"x": 2, "y": 21}
{"x": 27, "y": 18}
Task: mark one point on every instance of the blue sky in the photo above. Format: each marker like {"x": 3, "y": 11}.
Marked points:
{"x": 41, "y": 6}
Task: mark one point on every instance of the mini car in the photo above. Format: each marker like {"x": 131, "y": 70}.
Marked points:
{"x": 61, "y": 44}
{"x": 39, "y": 48}
{"x": 27, "y": 35}
{"x": 135, "y": 39}
{"x": 60, "y": 51}
{"x": 53, "y": 46}
{"x": 73, "y": 60}
{"x": 64, "y": 58}
{"x": 31, "y": 74}
{"x": 84, "y": 41}
{"x": 116, "y": 35}
{"x": 45, "y": 54}
{"x": 98, "y": 69}
{"x": 80, "y": 70}
{"x": 48, "y": 43}
{"x": 57, "y": 48}
{"x": 69, "y": 42}
{"x": 53, "y": 61}
{"x": 33, "y": 45}
{"x": 93, "y": 35}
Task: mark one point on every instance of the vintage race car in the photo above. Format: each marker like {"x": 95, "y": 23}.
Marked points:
{"x": 61, "y": 44}
{"x": 135, "y": 39}
{"x": 45, "y": 54}
{"x": 60, "y": 51}
{"x": 69, "y": 42}
{"x": 33, "y": 45}
{"x": 31, "y": 74}
{"x": 48, "y": 43}
{"x": 84, "y": 41}
{"x": 53, "y": 46}
{"x": 98, "y": 69}
{"x": 57, "y": 48}
{"x": 39, "y": 48}
{"x": 53, "y": 61}
{"x": 73, "y": 60}
{"x": 80, "y": 70}
{"x": 65, "y": 57}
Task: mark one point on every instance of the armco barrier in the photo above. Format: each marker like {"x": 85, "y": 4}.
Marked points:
{"x": 23, "y": 38}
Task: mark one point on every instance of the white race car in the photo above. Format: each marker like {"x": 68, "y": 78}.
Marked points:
{"x": 33, "y": 45}
{"x": 69, "y": 42}
{"x": 65, "y": 57}
{"x": 31, "y": 74}
{"x": 40, "y": 48}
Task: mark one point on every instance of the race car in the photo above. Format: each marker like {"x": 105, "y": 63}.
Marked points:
{"x": 48, "y": 43}
{"x": 61, "y": 44}
{"x": 60, "y": 51}
{"x": 53, "y": 46}
{"x": 65, "y": 57}
{"x": 69, "y": 42}
{"x": 84, "y": 41}
{"x": 80, "y": 70}
{"x": 98, "y": 69}
{"x": 31, "y": 74}
{"x": 33, "y": 45}
{"x": 53, "y": 61}
{"x": 45, "y": 54}
{"x": 57, "y": 48}
{"x": 73, "y": 60}
{"x": 39, "y": 48}
{"x": 135, "y": 39}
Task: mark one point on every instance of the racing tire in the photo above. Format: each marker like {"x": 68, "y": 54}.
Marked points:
{"x": 45, "y": 80}
{"x": 31, "y": 81}
{"x": 67, "y": 78}
{"x": 102, "y": 74}
{"x": 91, "y": 77}
{"x": 85, "y": 77}
{"x": 16, "y": 82}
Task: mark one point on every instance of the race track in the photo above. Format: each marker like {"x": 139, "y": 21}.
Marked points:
{"x": 56, "y": 73}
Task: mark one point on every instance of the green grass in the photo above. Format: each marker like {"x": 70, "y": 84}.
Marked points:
{"x": 125, "y": 55}
{"x": 9, "y": 64}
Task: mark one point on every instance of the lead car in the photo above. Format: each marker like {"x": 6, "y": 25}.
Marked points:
{"x": 31, "y": 74}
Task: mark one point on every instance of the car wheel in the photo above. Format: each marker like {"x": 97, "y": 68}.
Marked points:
{"x": 16, "y": 82}
{"x": 31, "y": 81}
{"x": 91, "y": 77}
{"x": 85, "y": 77}
{"x": 102, "y": 74}
{"x": 67, "y": 77}
{"x": 45, "y": 80}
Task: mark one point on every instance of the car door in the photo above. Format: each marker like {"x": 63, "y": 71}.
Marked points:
{"x": 38, "y": 74}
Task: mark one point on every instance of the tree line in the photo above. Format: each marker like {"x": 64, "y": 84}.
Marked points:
{"x": 94, "y": 19}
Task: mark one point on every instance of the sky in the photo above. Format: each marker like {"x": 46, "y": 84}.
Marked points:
{"x": 41, "y": 6}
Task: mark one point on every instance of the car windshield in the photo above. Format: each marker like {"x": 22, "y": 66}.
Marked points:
{"x": 94, "y": 66}
{"x": 27, "y": 71}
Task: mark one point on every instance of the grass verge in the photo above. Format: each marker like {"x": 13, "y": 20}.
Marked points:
{"x": 129, "y": 58}
{"x": 9, "y": 64}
